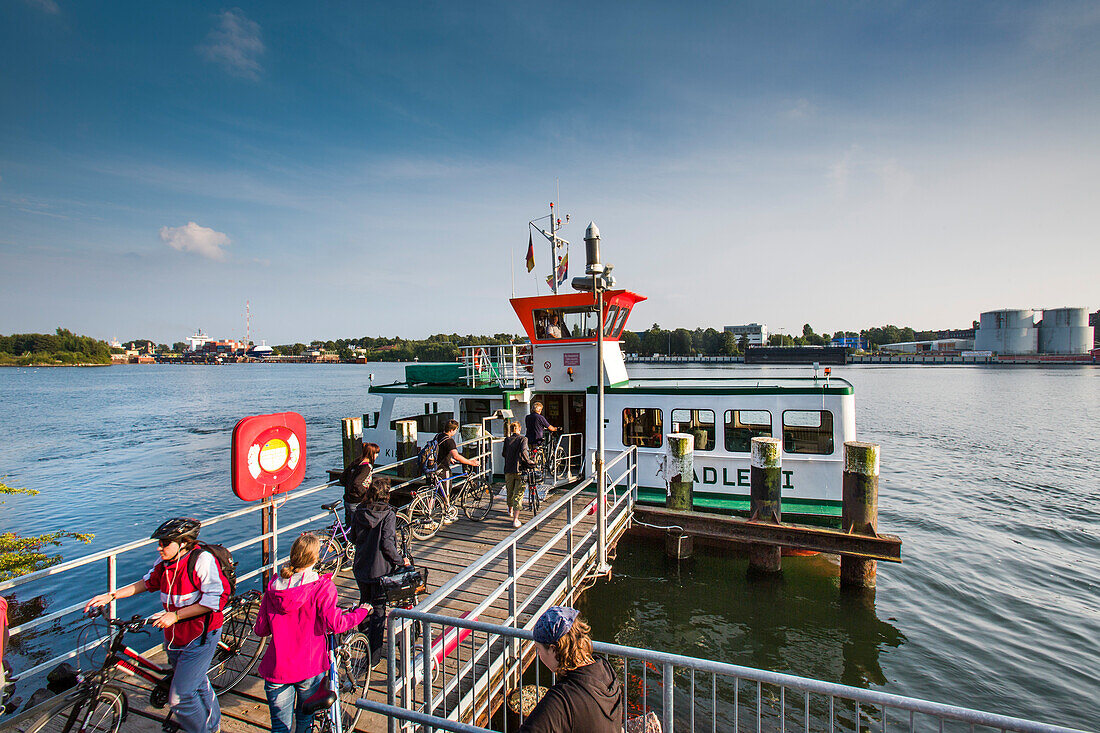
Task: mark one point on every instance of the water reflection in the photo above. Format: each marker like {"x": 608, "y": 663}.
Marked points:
{"x": 798, "y": 622}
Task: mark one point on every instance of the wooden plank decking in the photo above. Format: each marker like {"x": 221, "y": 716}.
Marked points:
{"x": 453, "y": 549}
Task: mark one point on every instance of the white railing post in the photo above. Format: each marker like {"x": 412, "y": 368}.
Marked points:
{"x": 112, "y": 582}
{"x": 426, "y": 660}
{"x": 667, "y": 683}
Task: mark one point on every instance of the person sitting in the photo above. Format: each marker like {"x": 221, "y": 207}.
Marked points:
{"x": 297, "y": 610}
{"x": 587, "y": 697}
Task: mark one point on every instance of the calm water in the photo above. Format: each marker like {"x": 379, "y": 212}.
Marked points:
{"x": 989, "y": 476}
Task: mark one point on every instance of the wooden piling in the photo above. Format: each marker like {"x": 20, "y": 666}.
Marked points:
{"x": 765, "y": 481}
{"x": 681, "y": 467}
{"x": 406, "y": 448}
{"x": 351, "y": 429}
{"x": 859, "y": 512}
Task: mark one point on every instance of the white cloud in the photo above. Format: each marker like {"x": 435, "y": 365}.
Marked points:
{"x": 191, "y": 237}
{"x": 801, "y": 109}
{"x": 236, "y": 44}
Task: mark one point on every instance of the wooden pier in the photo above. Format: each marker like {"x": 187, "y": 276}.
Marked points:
{"x": 551, "y": 579}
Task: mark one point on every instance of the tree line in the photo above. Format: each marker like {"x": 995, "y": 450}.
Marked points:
{"x": 61, "y": 347}
{"x": 437, "y": 347}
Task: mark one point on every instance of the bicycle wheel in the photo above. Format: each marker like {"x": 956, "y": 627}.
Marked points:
{"x": 476, "y": 499}
{"x": 332, "y": 557}
{"x": 404, "y": 533}
{"x": 533, "y": 498}
{"x": 238, "y": 648}
{"x": 559, "y": 464}
{"x": 426, "y": 515}
{"x": 353, "y": 670}
{"x": 106, "y": 716}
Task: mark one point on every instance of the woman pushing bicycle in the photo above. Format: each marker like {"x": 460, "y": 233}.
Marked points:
{"x": 194, "y": 591}
{"x": 374, "y": 533}
{"x": 356, "y": 479}
{"x": 298, "y": 609}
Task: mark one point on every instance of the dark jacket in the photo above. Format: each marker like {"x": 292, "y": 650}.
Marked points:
{"x": 356, "y": 480}
{"x": 374, "y": 533}
{"x": 517, "y": 456}
{"x": 588, "y": 699}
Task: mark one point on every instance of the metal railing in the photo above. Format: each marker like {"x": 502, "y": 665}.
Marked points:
{"x": 456, "y": 674}
{"x": 566, "y": 459}
{"x": 507, "y": 365}
{"x": 692, "y": 694}
{"x": 106, "y": 563}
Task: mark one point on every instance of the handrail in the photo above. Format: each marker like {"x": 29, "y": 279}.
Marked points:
{"x": 803, "y": 684}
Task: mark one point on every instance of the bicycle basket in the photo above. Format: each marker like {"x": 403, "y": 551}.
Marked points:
{"x": 402, "y": 586}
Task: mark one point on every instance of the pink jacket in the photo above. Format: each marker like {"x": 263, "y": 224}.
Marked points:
{"x": 296, "y": 614}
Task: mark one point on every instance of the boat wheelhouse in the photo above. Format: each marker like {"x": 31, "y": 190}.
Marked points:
{"x": 812, "y": 415}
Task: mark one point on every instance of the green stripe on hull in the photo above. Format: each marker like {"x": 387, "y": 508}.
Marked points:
{"x": 807, "y": 511}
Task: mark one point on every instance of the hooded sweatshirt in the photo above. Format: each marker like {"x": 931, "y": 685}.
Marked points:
{"x": 296, "y": 613}
{"x": 588, "y": 699}
{"x": 374, "y": 534}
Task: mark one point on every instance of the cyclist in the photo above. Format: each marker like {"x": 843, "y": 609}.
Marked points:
{"x": 517, "y": 458}
{"x": 537, "y": 425}
{"x": 191, "y": 619}
{"x": 356, "y": 479}
{"x": 298, "y": 609}
{"x": 374, "y": 532}
{"x": 446, "y": 455}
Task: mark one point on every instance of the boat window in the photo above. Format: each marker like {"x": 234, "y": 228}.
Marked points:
{"x": 611, "y": 320}
{"x": 565, "y": 323}
{"x": 808, "y": 431}
{"x": 471, "y": 412}
{"x": 699, "y": 423}
{"x": 622, "y": 322}
{"x": 642, "y": 427}
{"x": 744, "y": 425}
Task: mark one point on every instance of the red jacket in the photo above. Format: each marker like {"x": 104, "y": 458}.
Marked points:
{"x": 296, "y": 614}
{"x": 179, "y": 589}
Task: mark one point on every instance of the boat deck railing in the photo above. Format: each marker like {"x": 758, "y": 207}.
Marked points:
{"x": 692, "y": 694}
{"x": 469, "y": 673}
{"x": 48, "y": 634}
{"x": 508, "y": 366}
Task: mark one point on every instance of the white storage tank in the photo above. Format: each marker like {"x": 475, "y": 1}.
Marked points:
{"x": 1065, "y": 331}
{"x": 1009, "y": 332}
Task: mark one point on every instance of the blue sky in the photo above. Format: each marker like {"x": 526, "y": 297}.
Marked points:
{"x": 361, "y": 169}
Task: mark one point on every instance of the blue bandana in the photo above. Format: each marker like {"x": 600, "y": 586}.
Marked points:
{"x": 554, "y": 624}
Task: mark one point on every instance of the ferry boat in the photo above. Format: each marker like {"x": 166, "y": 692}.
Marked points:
{"x": 813, "y": 414}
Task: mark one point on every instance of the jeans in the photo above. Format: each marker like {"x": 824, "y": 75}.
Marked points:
{"x": 374, "y": 626}
{"x": 285, "y": 699}
{"x": 349, "y": 510}
{"x": 194, "y": 706}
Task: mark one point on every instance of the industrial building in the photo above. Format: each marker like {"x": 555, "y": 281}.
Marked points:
{"x": 757, "y": 333}
{"x": 1021, "y": 332}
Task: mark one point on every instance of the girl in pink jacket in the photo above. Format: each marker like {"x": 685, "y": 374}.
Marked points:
{"x": 297, "y": 610}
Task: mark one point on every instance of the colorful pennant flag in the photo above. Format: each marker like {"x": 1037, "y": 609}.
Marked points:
{"x": 530, "y": 251}
{"x": 563, "y": 271}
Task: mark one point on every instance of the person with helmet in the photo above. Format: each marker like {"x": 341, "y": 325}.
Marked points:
{"x": 191, "y": 619}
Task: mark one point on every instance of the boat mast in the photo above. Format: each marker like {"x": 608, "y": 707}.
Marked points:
{"x": 553, "y": 252}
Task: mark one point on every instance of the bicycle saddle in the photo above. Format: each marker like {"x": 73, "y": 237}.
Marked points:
{"x": 330, "y": 507}
{"x": 318, "y": 701}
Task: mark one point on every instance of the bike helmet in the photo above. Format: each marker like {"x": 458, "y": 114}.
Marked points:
{"x": 179, "y": 528}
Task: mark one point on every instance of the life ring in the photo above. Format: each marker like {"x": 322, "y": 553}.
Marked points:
{"x": 481, "y": 362}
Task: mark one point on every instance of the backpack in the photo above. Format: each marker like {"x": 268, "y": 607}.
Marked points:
{"x": 428, "y": 458}
{"x": 223, "y": 558}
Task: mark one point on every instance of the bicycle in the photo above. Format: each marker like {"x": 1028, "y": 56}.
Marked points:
{"x": 533, "y": 478}
{"x": 552, "y": 459}
{"x": 93, "y": 705}
{"x": 333, "y": 705}
{"x": 337, "y": 548}
{"x": 426, "y": 510}
{"x": 239, "y": 649}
